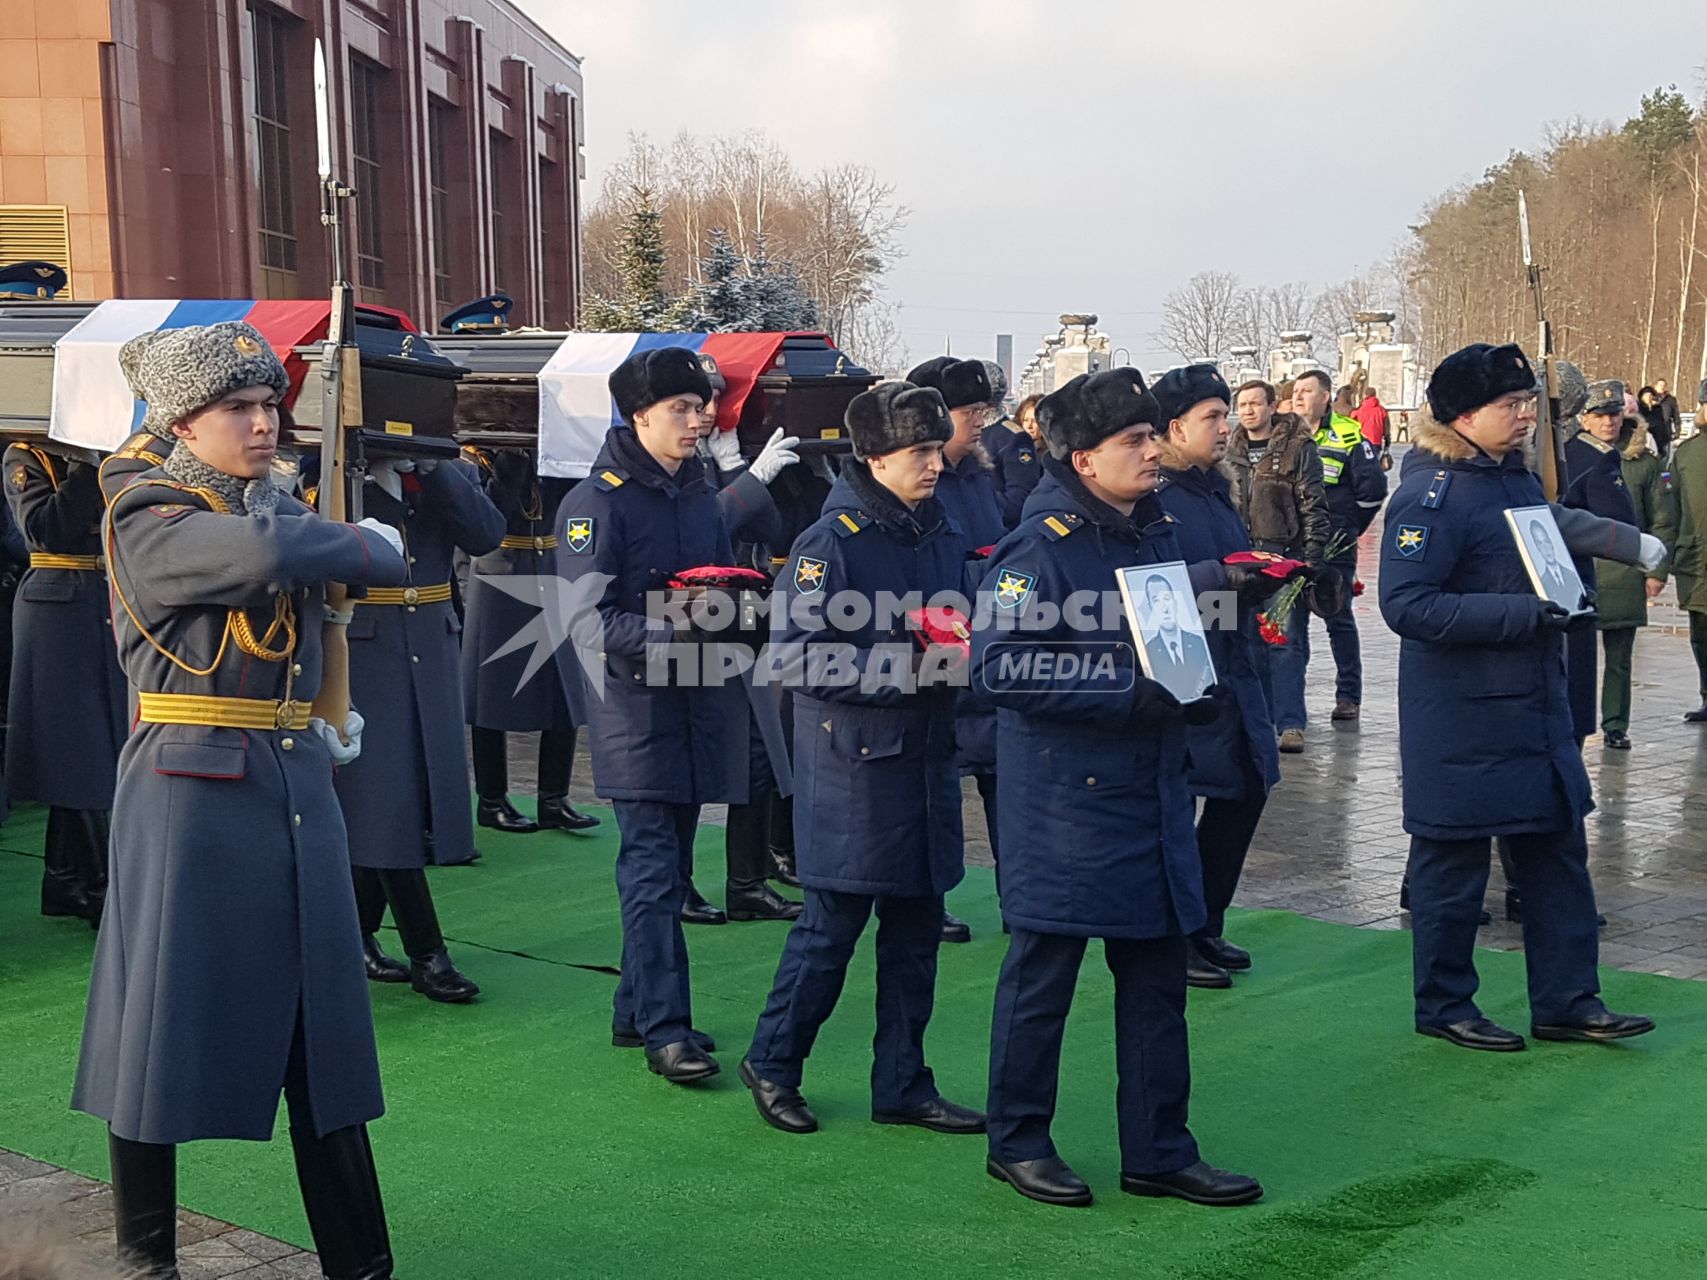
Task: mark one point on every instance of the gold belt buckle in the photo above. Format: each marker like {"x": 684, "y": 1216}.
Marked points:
{"x": 286, "y": 713}
{"x": 539, "y": 544}
{"x": 410, "y": 595}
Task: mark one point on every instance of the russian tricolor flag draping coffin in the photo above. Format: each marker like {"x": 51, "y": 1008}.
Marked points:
{"x": 575, "y": 406}
{"x": 92, "y": 404}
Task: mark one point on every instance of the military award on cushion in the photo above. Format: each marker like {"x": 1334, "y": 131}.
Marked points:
{"x": 1542, "y": 547}
{"x": 1162, "y": 613}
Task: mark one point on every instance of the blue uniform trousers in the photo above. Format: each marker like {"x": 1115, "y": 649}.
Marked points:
{"x": 1225, "y": 830}
{"x": 1560, "y": 941}
{"x": 809, "y": 980}
{"x": 1283, "y": 674}
{"x": 1152, "y": 1059}
{"x": 653, "y": 862}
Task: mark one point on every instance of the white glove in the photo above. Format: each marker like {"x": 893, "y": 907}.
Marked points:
{"x": 422, "y": 466}
{"x": 387, "y": 473}
{"x": 342, "y": 752}
{"x": 777, "y": 454}
{"x": 385, "y": 532}
{"x": 725, "y": 448}
{"x": 1653, "y": 553}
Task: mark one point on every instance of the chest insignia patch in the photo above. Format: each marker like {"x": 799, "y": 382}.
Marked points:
{"x": 809, "y": 575}
{"x": 1411, "y": 541}
{"x": 20, "y": 479}
{"x": 578, "y": 535}
{"x": 1013, "y": 587}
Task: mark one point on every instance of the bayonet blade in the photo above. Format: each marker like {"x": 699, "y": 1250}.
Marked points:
{"x": 322, "y": 112}
{"x": 1523, "y": 228}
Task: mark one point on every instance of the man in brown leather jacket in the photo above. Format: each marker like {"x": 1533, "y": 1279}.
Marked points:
{"x": 1276, "y": 478}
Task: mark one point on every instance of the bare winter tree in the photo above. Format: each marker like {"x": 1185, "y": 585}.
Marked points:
{"x": 850, "y": 237}
{"x": 1202, "y": 318}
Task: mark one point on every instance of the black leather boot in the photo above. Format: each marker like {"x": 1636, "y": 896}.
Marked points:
{"x": 782, "y": 840}
{"x": 435, "y": 977}
{"x": 145, "y": 1205}
{"x": 340, "y": 1191}
{"x": 381, "y": 967}
{"x": 696, "y": 910}
{"x": 756, "y": 900}
{"x": 557, "y": 814}
{"x": 501, "y": 815}
{"x": 746, "y": 845}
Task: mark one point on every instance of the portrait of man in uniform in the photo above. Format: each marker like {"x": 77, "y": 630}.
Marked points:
{"x": 1170, "y": 633}
{"x": 1554, "y": 578}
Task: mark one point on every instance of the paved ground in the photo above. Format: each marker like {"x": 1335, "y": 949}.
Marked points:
{"x": 1330, "y": 847}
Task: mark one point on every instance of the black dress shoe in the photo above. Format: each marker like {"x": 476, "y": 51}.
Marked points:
{"x": 629, "y": 1038}
{"x": 1048, "y": 1180}
{"x": 1476, "y": 1033}
{"x": 683, "y": 1062}
{"x": 758, "y": 901}
{"x": 696, "y": 910}
{"x": 1200, "y": 971}
{"x": 1199, "y": 1183}
{"x": 938, "y": 1114}
{"x": 1616, "y": 741}
{"x": 381, "y": 967}
{"x": 435, "y": 977}
{"x": 954, "y": 929}
{"x": 1697, "y": 716}
{"x": 501, "y": 815}
{"x": 784, "y": 860}
{"x": 63, "y": 898}
{"x": 1223, "y": 954}
{"x": 557, "y": 814}
{"x": 780, "y": 1106}
{"x": 1605, "y": 1025}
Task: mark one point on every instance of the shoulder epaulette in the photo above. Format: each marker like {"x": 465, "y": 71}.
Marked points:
{"x": 1058, "y": 526}
{"x": 140, "y": 445}
{"x": 478, "y": 456}
{"x": 847, "y": 525}
{"x": 213, "y": 500}
{"x": 1438, "y": 484}
{"x": 608, "y": 480}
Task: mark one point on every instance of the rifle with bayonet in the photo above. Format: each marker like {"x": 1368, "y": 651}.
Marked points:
{"x": 1549, "y": 459}
{"x": 340, "y": 406}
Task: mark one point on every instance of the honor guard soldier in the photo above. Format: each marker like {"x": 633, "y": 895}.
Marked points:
{"x": 229, "y": 965}
{"x": 1595, "y": 482}
{"x": 496, "y": 699}
{"x": 1099, "y": 842}
{"x": 755, "y": 525}
{"x": 66, "y": 705}
{"x": 406, "y": 800}
{"x": 967, "y": 491}
{"x": 877, "y": 800}
{"x": 1232, "y": 763}
{"x": 1485, "y": 731}
{"x": 661, "y": 748}
{"x": 1012, "y": 451}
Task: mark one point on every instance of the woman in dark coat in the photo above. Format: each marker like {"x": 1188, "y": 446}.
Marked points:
{"x": 228, "y": 968}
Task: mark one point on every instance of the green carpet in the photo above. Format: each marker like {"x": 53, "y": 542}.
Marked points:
{"x": 520, "y": 1145}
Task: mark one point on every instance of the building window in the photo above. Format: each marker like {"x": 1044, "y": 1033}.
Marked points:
{"x": 364, "y": 119}
{"x": 438, "y": 190}
{"x": 277, "y": 228}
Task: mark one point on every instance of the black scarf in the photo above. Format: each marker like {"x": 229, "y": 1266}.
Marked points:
{"x": 913, "y": 525}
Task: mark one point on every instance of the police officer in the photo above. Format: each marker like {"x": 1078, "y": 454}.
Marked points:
{"x": 66, "y": 704}
{"x": 662, "y": 745}
{"x": 229, "y": 963}
{"x": 877, "y": 801}
{"x": 1231, "y": 763}
{"x": 1484, "y": 716}
{"x": 1101, "y": 842}
{"x": 968, "y": 492}
{"x": 496, "y": 699}
{"x": 1012, "y": 452}
{"x": 1594, "y": 482}
{"x": 406, "y": 800}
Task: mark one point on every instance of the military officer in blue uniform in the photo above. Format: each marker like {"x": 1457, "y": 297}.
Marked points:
{"x": 1013, "y": 453}
{"x": 662, "y": 745}
{"x": 1485, "y": 731}
{"x": 228, "y": 969}
{"x": 496, "y": 699}
{"x": 406, "y": 800}
{"x": 66, "y": 703}
{"x": 1100, "y": 841}
{"x": 1232, "y": 762}
{"x": 877, "y": 797}
{"x": 967, "y": 490}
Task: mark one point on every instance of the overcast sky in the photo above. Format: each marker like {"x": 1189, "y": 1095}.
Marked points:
{"x": 1092, "y": 157}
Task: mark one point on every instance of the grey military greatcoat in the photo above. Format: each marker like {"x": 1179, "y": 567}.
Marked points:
{"x": 407, "y": 800}
{"x": 230, "y": 921}
{"x": 67, "y": 703}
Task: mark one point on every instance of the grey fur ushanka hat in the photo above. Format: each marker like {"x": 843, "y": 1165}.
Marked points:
{"x": 177, "y": 371}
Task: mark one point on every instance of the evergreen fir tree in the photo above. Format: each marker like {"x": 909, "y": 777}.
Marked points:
{"x": 719, "y": 305}
{"x": 642, "y": 306}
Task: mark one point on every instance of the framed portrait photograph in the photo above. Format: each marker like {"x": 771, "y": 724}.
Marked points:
{"x": 1162, "y": 612}
{"x": 1542, "y": 547}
